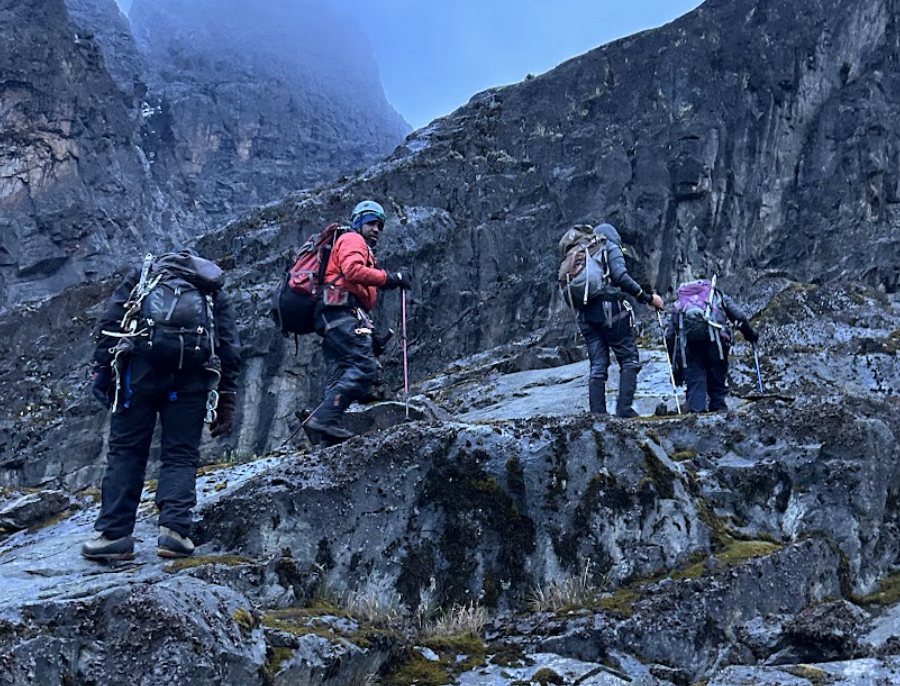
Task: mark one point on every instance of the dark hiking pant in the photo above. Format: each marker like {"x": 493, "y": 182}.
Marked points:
{"x": 706, "y": 374}
{"x": 351, "y": 369}
{"x": 130, "y": 435}
{"x": 618, "y": 338}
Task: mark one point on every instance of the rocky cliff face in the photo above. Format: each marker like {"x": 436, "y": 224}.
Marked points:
{"x": 108, "y": 151}
{"x": 249, "y": 102}
{"x": 74, "y": 189}
{"x": 478, "y": 199}
{"x": 733, "y": 549}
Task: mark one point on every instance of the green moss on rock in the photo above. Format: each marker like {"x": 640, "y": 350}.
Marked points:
{"x": 201, "y": 560}
{"x": 246, "y": 622}
{"x": 682, "y": 454}
{"x": 888, "y": 593}
{"x": 620, "y": 603}
{"x": 545, "y": 676}
{"x": 415, "y": 668}
{"x": 275, "y": 657}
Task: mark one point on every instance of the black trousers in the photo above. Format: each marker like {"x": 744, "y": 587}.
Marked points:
{"x": 351, "y": 366}
{"x": 617, "y": 337}
{"x": 130, "y": 435}
{"x": 706, "y": 374}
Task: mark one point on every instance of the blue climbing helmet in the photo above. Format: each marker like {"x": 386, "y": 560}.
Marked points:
{"x": 367, "y": 211}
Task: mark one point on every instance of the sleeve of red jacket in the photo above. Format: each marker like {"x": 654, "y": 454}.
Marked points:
{"x": 354, "y": 252}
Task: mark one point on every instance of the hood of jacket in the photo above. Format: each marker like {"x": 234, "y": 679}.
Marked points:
{"x": 610, "y": 232}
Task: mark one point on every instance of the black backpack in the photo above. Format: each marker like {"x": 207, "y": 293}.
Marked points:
{"x": 175, "y": 326}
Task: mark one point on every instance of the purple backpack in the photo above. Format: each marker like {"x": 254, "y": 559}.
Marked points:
{"x": 699, "y": 312}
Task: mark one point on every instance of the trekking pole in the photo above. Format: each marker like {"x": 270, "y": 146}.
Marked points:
{"x": 405, "y": 358}
{"x": 758, "y": 370}
{"x": 662, "y": 330}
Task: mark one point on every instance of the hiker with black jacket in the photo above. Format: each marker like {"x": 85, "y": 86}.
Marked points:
{"x": 342, "y": 318}
{"x": 698, "y": 340}
{"x": 168, "y": 348}
{"x": 606, "y": 321}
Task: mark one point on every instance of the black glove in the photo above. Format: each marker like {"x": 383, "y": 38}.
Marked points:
{"x": 749, "y": 333}
{"x": 103, "y": 385}
{"x": 224, "y": 415}
{"x": 380, "y": 341}
{"x": 401, "y": 279}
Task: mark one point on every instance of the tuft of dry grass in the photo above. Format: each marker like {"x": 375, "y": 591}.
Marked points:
{"x": 372, "y": 607}
{"x": 566, "y": 593}
{"x": 457, "y": 621}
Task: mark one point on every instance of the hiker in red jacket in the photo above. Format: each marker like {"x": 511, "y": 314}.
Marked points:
{"x": 342, "y": 319}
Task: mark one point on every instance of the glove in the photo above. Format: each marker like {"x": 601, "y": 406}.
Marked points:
{"x": 102, "y": 385}
{"x": 224, "y": 415}
{"x": 749, "y": 333}
{"x": 380, "y": 341}
{"x": 401, "y": 279}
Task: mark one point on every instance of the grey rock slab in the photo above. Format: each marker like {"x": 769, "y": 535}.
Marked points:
{"x": 865, "y": 672}
{"x": 32, "y": 508}
{"x": 47, "y": 564}
{"x": 570, "y": 670}
{"x": 557, "y": 391}
{"x": 885, "y": 628}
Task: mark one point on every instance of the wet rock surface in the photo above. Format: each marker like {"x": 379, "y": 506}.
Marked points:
{"x": 692, "y": 555}
{"x": 755, "y": 546}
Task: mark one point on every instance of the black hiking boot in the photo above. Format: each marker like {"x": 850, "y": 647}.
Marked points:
{"x": 627, "y": 388}
{"x": 103, "y": 549}
{"x": 326, "y": 420}
{"x": 335, "y": 432}
{"x": 597, "y": 396}
{"x": 173, "y": 544}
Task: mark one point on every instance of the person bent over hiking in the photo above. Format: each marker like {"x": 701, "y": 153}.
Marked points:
{"x": 606, "y": 321}
{"x": 167, "y": 337}
{"x": 342, "y": 319}
{"x": 698, "y": 339}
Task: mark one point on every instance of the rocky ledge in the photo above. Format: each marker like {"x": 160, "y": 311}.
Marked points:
{"x": 752, "y": 547}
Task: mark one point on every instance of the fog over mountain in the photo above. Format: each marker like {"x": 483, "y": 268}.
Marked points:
{"x": 119, "y": 139}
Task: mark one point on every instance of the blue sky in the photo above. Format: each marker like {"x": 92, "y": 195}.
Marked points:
{"x": 434, "y": 55}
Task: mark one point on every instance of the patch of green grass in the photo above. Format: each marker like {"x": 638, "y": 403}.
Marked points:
{"x": 246, "y": 622}
{"x": 200, "y": 560}
{"x": 545, "y": 676}
{"x": 815, "y": 675}
{"x": 888, "y": 593}
{"x": 683, "y": 454}
{"x": 735, "y": 552}
{"x": 275, "y": 657}
{"x": 741, "y": 551}
{"x": 620, "y": 604}
{"x": 415, "y": 668}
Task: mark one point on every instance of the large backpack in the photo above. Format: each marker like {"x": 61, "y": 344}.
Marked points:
{"x": 294, "y": 299}
{"x": 584, "y": 268}
{"x": 700, "y": 314}
{"x": 170, "y": 314}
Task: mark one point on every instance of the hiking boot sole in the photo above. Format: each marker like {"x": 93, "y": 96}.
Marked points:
{"x": 334, "y": 433}
{"x": 172, "y": 554}
{"x": 107, "y": 557}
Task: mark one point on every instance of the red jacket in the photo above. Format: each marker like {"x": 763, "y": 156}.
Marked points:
{"x": 352, "y": 268}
